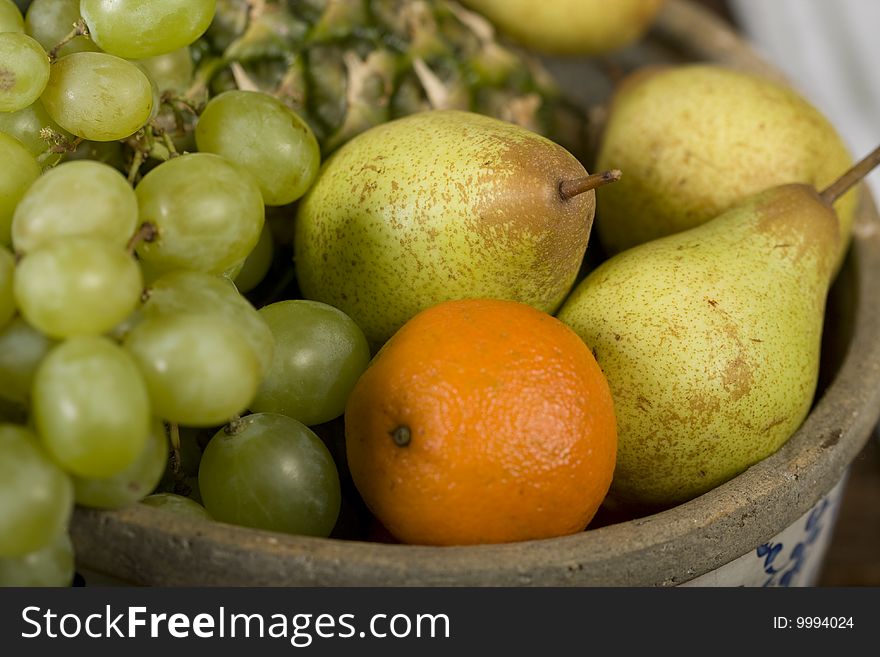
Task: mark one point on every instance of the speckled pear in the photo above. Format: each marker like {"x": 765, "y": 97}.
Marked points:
{"x": 694, "y": 139}
{"x": 442, "y": 205}
{"x": 710, "y": 340}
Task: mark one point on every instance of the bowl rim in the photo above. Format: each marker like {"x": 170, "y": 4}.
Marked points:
{"x": 666, "y": 548}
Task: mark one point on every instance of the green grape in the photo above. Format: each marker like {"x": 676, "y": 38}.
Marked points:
{"x": 199, "y": 370}
{"x": 18, "y": 171}
{"x": 131, "y": 484}
{"x": 7, "y": 276}
{"x": 36, "y": 496}
{"x": 50, "y": 565}
{"x": 265, "y": 137}
{"x": 24, "y": 71}
{"x": 186, "y": 292}
{"x": 77, "y": 286}
{"x": 51, "y": 21}
{"x": 271, "y": 472}
{"x": 90, "y": 406}
{"x": 11, "y": 19}
{"x": 177, "y": 504}
{"x": 97, "y": 96}
{"x": 26, "y": 124}
{"x": 320, "y": 353}
{"x": 172, "y": 71}
{"x": 208, "y": 211}
{"x": 76, "y": 198}
{"x": 22, "y": 348}
{"x": 258, "y": 262}
{"x": 143, "y": 28}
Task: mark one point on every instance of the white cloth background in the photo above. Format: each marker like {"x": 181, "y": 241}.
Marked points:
{"x": 830, "y": 50}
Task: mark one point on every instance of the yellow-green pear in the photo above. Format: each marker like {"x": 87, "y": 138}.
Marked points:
{"x": 694, "y": 139}
{"x": 442, "y": 205}
{"x": 570, "y": 27}
{"x": 710, "y": 340}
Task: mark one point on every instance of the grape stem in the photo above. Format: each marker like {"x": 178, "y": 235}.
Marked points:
{"x": 179, "y": 105}
{"x": 154, "y": 130}
{"x": 146, "y": 232}
{"x": 174, "y": 436}
{"x": 174, "y": 100}
{"x": 58, "y": 143}
{"x": 144, "y": 144}
{"x": 234, "y": 426}
{"x": 136, "y": 161}
{"x": 79, "y": 29}
{"x": 174, "y": 459}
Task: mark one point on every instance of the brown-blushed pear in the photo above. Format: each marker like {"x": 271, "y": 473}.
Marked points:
{"x": 710, "y": 339}
{"x": 442, "y": 205}
{"x": 694, "y": 139}
{"x": 570, "y": 27}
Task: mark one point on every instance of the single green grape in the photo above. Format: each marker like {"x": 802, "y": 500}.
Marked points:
{"x": 22, "y": 349}
{"x": 7, "y": 277}
{"x": 26, "y": 126}
{"x": 49, "y": 566}
{"x": 76, "y": 198}
{"x": 199, "y": 370}
{"x": 271, "y": 472}
{"x": 18, "y": 171}
{"x": 264, "y": 136}
{"x": 208, "y": 211}
{"x": 11, "y": 19}
{"x": 320, "y": 354}
{"x": 186, "y": 292}
{"x": 131, "y": 484}
{"x": 36, "y": 496}
{"x": 51, "y": 21}
{"x": 139, "y": 28}
{"x": 77, "y": 286}
{"x": 258, "y": 262}
{"x": 179, "y": 504}
{"x": 90, "y": 407}
{"x": 172, "y": 71}
{"x": 97, "y": 96}
{"x": 24, "y": 71}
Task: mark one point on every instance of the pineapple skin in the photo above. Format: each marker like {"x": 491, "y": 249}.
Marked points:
{"x": 348, "y": 65}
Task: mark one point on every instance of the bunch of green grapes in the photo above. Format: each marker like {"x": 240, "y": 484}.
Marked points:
{"x": 134, "y": 363}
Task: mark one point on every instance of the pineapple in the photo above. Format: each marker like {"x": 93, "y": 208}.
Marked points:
{"x": 347, "y": 65}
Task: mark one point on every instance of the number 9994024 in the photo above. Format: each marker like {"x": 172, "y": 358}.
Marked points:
{"x": 823, "y": 622}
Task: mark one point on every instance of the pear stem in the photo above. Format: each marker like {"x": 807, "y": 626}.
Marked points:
{"x": 571, "y": 188}
{"x": 858, "y": 171}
